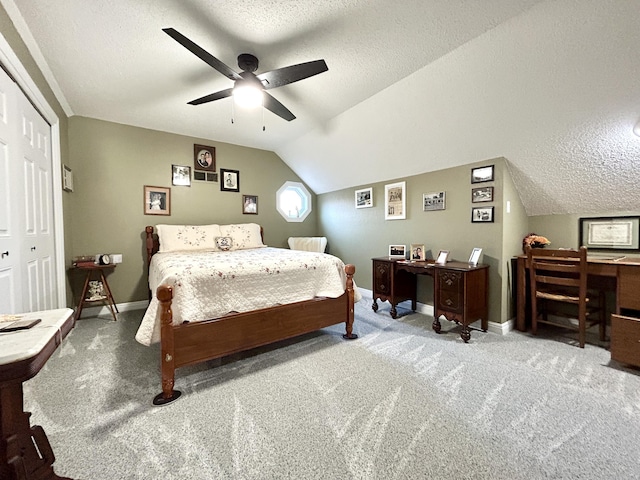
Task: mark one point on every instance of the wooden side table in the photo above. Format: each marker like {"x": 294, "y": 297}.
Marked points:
{"x": 98, "y": 272}
{"x": 25, "y": 451}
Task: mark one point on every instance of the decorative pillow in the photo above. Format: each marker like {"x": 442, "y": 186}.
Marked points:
{"x": 243, "y": 235}
{"x": 224, "y": 243}
{"x": 187, "y": 237}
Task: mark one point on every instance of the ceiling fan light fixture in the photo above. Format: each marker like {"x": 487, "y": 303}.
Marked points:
{"x": 247, "y": 95}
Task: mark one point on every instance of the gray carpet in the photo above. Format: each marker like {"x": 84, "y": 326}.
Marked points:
{"x": 400, "y": 402}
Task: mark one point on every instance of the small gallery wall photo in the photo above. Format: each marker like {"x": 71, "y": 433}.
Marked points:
{"x": 482, "y": 194}
{"x": 395, "y": 201}
{"x": 364, "y": 198}
{"x": 157, "y": 200}
{"x": 482, "y": 214}
{"x": 181, "y": 175}
{"x": 482, "y": 174}
{"x": 204, "y": 158}
{"x": 250, "y": 204}
{"x": 433, "y": 201}
{"x": 230, "y": 180}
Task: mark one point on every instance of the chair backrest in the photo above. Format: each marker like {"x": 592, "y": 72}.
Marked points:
{"x": 561, "y": 271}
{"x": 308, "y": 244}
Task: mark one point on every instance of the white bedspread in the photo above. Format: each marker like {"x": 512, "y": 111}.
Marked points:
{"x": 209, "y": 284}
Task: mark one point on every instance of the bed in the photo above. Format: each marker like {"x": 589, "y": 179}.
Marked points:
{"x": 216, "y": 290}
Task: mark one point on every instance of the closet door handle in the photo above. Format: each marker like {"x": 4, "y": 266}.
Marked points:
{"x": 5, "y": 254}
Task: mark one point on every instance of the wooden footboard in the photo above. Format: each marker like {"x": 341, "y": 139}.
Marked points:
{"x": 192, "y": 343}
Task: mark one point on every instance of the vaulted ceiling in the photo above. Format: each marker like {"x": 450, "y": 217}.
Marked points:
{"x": 412, "y": 86}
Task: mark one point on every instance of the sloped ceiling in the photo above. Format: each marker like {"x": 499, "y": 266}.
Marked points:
{"x": 412, "y": 86}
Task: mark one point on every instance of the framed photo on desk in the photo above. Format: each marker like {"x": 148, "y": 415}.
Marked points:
{"x": 610, "y": 233}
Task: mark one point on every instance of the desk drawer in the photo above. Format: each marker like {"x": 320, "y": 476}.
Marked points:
{"x": 628, "y": 287}
{"x": 625, "y": 339}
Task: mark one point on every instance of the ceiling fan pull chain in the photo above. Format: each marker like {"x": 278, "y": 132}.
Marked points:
{"x": 263, "y": 126}
{"x": 232, "y": 113}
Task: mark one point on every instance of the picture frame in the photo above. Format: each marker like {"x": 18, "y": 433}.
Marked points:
{"x": 181, "y": 175}
{"x": 204, "y": 158}
{"x": 610, "y": 233}
{"x": 482, "y": 174}
{"x": 250, "y": 204}
{"x": 157, "y": 200}
{"x": 395, "y": 201}
{"x": 364, "y": 198}
{"x": 398, "y": 251}
{"x": 482, "y": 194}
{"x": 482, "y": 215}
{"x": 442, "y": 257}
{"x": 433, "y": 201}
{"x": 202, "y": 176}
{"x": 230, "y": 180}
{"x": 67, "y": 179}
{"x": 475, "y": 256}
{"x": 417, "y": 252}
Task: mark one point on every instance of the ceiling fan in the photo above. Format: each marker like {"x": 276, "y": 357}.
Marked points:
{"x": 246, "y": 78}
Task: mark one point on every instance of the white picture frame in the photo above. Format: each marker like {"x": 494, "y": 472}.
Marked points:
{"x": 398, "y": 251}
{"x": 475, "y": 256}
{"x": 395, "y": 201}
{"x": 443, "y": 255}
{"x": 364, "y": 198}
{"x": 67, "y": 179}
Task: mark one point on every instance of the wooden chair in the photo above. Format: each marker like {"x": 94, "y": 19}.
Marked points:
{"x": 558, "y": 287}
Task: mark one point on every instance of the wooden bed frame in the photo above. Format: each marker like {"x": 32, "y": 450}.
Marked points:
{"x": 192, "y": 343}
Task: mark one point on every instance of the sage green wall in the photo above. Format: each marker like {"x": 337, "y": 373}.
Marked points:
{"x": 358, "y": 235}
{"x": 112, "y": 164}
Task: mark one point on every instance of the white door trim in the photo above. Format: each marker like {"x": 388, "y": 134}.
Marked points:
{"x": 20, "y": 74}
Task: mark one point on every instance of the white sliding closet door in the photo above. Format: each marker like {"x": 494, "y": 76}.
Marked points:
{"x": 27, "y": 242}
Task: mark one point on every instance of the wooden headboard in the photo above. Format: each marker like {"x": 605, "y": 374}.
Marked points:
{"x": 153, "y": 242}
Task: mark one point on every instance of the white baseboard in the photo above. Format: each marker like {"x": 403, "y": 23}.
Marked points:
{"x": 425, "y": 309}
{"x": 122, "y": 307}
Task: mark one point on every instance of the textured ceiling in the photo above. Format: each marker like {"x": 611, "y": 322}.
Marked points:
{"x": 418, "y": 86}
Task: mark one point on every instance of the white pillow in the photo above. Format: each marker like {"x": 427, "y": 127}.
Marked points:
{"x": 187, "y": 237}
{"x": 243, "y": 235}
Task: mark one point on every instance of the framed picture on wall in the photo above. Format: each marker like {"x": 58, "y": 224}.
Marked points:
{"x": 482, "y": 194}
{"x": 181, "y": 175}
{"x": 482, "y": 174}
{"x": 230, "y": 180}
{"x": 157, "y": 200}
{"x": 482, "y": 214}
{"x": 395, "y": 201}
{"x": 433, "y": 201}
{"x": 204, "y": 158}
{"x": 250, "y": 204}
{"x": 364, "y": 198}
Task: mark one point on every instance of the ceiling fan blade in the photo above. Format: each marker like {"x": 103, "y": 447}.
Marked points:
{"x": 276, "y": 107}
{"x": 201, "y": 53}
{"x": 292, "y": 73}
{"x": 211, "y": 97}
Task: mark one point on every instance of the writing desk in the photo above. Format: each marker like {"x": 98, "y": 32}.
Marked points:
{"x": 25, "y": 452}
{"x": 624, "y": 270}
{"x": 460, "y": 290}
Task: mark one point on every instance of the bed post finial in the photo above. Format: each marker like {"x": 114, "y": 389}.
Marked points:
{"x": 350, "y": 270}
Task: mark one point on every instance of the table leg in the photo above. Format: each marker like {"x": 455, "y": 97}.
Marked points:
{"x": 108, "y": 290}
{"x": 83, "y": 294}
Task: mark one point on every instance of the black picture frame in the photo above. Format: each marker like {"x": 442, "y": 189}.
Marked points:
{"x": 229, "y": 180}
{"x": 250, "y": 204}
{"x": 482, "y": 214}
{"x": 482, "y": 174}
{"x": 610, "y": 233}
{"x": 482, "y": 194}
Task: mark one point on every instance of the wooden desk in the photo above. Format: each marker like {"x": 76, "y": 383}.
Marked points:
{"x": 460, "y": 289}
{"x": 625, "y": 271}
{"x": 25, "y": 452}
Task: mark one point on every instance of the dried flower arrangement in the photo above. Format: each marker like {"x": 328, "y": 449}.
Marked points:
{"x": 535, "y": 241}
